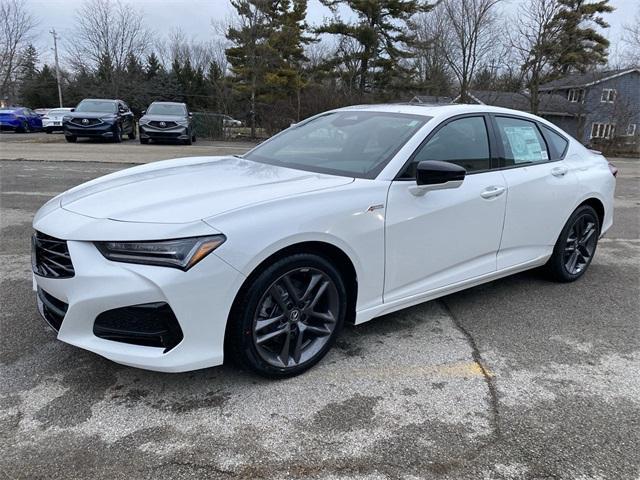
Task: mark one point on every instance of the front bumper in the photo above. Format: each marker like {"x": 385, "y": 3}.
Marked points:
{"x": 200, "y": 298}
{"x": 104, "y": 130}
{"x": 176, "y": 133}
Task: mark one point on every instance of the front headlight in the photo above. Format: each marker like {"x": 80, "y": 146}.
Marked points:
{"x": 108, "y": 118}
{"x": 184, "y": 123}
{"x": 143, "y": 121}
{"x": 182, "y": 253}
{"x": 67, "y": 118}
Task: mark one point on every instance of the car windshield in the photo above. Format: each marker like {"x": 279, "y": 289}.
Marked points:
{"x": 58, "y": 111}
{"x": 166, "y": 109}
{"x": 354, "y": 144}
{"x": 99, "y": 106}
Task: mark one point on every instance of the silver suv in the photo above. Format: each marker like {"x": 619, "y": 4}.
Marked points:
{"x": 167, "y": 121}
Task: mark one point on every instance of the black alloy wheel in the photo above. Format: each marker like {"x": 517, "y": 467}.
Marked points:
{"x": 132, "y": 134}
{"x": 576, "y": 245}
{"x": 290, "y": 316}
{"x": 117, "y": 133}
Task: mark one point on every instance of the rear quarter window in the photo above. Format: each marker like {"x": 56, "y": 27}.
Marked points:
{"x": 556, "y": 141}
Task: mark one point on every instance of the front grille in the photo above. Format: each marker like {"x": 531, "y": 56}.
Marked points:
{"x": 50, "y": 257}
{"x": 85, "y": 122}
{"x": 147, "y": 324}
{"x": 51, "y": 309}
{"x": 161, "y": 124}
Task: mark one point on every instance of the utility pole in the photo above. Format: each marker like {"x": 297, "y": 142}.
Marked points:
{"x": 55, "y": 51}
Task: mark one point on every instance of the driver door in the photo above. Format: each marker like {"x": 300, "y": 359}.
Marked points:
{"x": 445, "y": 236}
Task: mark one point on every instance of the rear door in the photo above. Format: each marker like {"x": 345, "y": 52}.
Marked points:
{"x": 541, "y": 190}
{"x": 445, "y": 236}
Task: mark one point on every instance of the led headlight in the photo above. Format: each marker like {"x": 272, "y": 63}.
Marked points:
{"x": 182, "y": 253}
{"x": 184, "y": 123}
{"x": 143, "y": 121}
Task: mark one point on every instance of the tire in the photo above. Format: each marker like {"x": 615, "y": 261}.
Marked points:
{"x": 71, "y": 138}
{"x": 144, "y": 141}
{"x": 132, "y": 135}
{"x": 117, "y": 134}
{"x": 188, "y": 141}
{"x": 23, "y": 128}
{"x": 193, "y": 138}
{"x": 576, "y": 246}
{"x": 275, "y": 297}
{"x": 48, "y": 130}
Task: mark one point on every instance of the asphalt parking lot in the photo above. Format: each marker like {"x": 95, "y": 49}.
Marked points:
{"x": 517, "y": 379}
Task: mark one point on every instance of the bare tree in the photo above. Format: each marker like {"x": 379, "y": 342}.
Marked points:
{"x": 108, "y": 33}
{"x": 533, "y": 39}
{"x": 428, "y": 49}
{"x": 469, "y": 37}
{"x": 16, "y": 31}
{"x": 631, "y": 40}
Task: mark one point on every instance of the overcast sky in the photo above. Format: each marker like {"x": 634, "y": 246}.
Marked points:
{"x": 195, "y": 17}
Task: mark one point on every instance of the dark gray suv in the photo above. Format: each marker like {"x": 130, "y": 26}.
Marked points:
{"x": 99, "y": 118}
{"x": 165, "y": 121}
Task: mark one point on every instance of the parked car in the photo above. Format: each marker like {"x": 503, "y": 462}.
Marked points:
{"x": 347, "y": 216}
{"x": 100, "y": 118}
{"x": 41, "y": 112}
{"x": 228, "y": 121}
{"x": 52, "y": 121}
{"x": 19, "y": 119}
{"x": 167, "y": 121}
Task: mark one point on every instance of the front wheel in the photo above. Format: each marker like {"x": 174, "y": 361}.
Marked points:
{"x": 132, "y": 135}
{"x": 576, "y": 245}
{"x": 117, "y": 134}
{"x": 71, "y": 138}
{"x": 289, "y": 316}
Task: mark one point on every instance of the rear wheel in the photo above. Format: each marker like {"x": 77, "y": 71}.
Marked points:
{"x": 132, "y": 135}
{"x": 24, "y": 128}
{"x": 289, "y": 316}
{"x": 576, "y": 246}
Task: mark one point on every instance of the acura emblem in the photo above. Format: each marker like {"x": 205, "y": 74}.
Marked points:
{"x": 85, "y": 121}
{"x": 163, "y": 124}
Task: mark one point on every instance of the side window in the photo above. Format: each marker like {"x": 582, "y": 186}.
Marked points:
{"x": 522, "y": 141}
{"x": 557, "y": 142}
{"x": 464, "y": 142}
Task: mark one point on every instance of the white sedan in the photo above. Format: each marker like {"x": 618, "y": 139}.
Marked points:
{"x": 52, "y": 120}
{"x": 344, "y": 217}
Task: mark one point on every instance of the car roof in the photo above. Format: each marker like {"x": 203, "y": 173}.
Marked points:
{"x": 171, "y": 103}
{"x": 439, "y": 110}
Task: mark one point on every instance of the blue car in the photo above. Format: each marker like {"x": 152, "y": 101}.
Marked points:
{"x": 19, "y": 119}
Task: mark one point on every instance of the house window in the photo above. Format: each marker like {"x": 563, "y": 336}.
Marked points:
{"x": 631, "y": 130}
{"x": 602, "y": 130}
{"x": 576, "y": 95}
{"x": 608, "y": 95}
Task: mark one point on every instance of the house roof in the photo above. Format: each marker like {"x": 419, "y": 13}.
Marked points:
{"x": 430, "y": 99}
{"x": 549, "y": 103}
{"x": 585, "y": 79}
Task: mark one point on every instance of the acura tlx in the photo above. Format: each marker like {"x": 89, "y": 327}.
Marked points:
{"x": 344, "y": 217}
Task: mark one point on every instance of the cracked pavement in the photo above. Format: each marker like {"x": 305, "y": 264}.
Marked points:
{"x": 516, "y": 379}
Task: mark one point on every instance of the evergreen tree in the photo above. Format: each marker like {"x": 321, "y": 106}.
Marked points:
{"x": 153, "y": 66}
{"x": 580, "y": 46}
{"x": 29, "y": 63}
{"x": 251, "y": 50}
{"x": 381, "y": 31}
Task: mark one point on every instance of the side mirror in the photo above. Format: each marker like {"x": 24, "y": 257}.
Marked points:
{"x": 190, "y": 114}
{"x": 73, "y": 110}
{"x": 434, "y": 175}
{"x": 144, "y": 112}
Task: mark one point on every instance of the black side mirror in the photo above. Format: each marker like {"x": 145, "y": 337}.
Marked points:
{"x": 73, "y": 109}
{"x": 435, "y": 175}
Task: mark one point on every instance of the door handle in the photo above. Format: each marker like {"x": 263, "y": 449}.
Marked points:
{"x": 559, "y": 171}
{"x": 491, "y": 192}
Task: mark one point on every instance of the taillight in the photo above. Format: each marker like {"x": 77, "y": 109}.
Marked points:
{"x": 613, "y": 169}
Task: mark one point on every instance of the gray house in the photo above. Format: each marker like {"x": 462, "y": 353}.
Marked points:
{"x": 555, "y": 108}
{"x": 607, "y": 103}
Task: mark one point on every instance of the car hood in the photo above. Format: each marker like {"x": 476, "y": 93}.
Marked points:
{"x": 90, "y": 114}
{"x": 164, "y": 118}
{"x": 187, "y": 190}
